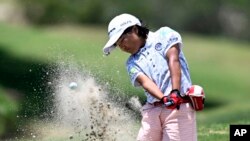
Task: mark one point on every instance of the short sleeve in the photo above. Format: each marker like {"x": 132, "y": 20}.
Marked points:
{"x": 169, "y": 37}
{"x": 133, "y": 71}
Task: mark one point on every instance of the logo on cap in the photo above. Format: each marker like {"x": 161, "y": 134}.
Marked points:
{"x": 111, "y": 30}
{"x": 126, "y": 22}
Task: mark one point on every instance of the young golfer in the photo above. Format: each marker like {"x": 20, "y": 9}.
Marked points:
{"x": 158, "y": 65}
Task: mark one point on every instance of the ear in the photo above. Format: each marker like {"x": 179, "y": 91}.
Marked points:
{"x": 135, "y": 29}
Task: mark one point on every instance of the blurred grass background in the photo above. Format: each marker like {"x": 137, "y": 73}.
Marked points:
{"x": 27, "y": 51}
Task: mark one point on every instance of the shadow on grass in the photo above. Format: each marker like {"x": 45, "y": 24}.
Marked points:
{"x": 28, "y": 79}
{"x": 213, "y": 103}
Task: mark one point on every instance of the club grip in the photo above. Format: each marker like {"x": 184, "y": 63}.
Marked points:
{"x": 169, "y": 103}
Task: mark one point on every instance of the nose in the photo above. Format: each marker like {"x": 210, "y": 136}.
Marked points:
{"x": 120, "y": 44}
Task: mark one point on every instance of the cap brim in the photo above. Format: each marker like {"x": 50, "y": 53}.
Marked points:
{"x": 110, "y": 44}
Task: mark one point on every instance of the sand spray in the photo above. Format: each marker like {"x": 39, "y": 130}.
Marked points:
{"x": 87, "y": 112}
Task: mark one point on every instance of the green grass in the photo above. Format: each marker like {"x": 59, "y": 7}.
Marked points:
{"x": 218, "y": 64}
{"x": 8, "y": 111}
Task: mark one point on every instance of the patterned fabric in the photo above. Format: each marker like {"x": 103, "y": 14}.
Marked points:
{"x": 151, "y": 61}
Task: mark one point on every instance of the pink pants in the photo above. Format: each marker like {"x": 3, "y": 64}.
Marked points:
{"x": 161, "y": 124}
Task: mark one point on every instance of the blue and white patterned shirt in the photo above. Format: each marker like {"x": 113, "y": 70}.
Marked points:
{"x": 151, "y": 60}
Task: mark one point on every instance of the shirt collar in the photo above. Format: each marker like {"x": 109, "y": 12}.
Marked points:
{"x": 149, "y": 42}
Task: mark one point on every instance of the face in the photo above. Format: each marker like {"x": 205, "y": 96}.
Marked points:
{"x": 129, "y": 41}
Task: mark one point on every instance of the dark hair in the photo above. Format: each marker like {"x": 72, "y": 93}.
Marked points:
{"x": 142, "y": 31}
{"x": 129, "y": 29}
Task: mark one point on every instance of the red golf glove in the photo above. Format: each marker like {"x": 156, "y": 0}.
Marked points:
{"x": 165, "y": 100}
{"x": 173, "y": 100}
{"x": 176, "y": 99}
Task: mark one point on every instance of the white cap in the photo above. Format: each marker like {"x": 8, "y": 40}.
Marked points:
{"x": 116, "y": 27}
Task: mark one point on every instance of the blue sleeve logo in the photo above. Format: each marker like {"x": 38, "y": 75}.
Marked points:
{"x": 172, "y": 40}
